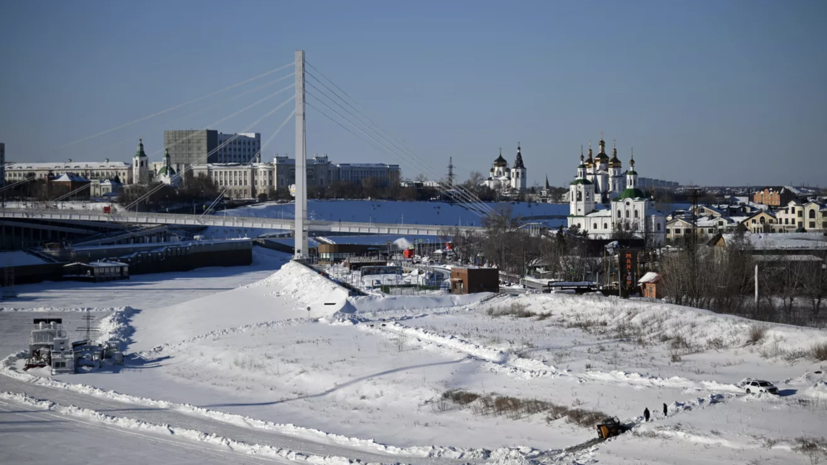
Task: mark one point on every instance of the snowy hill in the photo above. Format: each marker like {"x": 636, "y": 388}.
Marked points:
{"x": 448, "y": 379}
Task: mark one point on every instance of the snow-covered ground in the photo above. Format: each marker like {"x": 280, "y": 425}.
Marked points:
{"x": 287, "y": 363}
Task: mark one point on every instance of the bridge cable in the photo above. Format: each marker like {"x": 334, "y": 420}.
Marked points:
{"x": 372, "y": 139}
{"x": 178, "y": 106}
{"x": 197, "y": 112}
{"x": 463, "y": 197}
{"x": 264, "y": 99}
{"x": 411, "y": 153}
{"x": 206, "y": 157}
{"x": 250, "y": 162}
{"x": 465, "y": 194}
{"x": 476, "y": 207}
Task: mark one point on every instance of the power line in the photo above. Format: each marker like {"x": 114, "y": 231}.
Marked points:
{"x": 178, "y": 106}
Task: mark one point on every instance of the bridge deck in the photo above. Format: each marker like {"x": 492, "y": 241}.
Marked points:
{"x": 228, "y": 221}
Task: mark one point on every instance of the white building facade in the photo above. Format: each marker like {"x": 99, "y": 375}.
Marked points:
{"x": 631, "y": 211}
{"x": 507, "y": 180}
{"x": 239, "y": 148}
{"x": 90, "y": 170}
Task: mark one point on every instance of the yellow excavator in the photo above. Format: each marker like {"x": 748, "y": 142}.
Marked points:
{"x": 610, "y": 427}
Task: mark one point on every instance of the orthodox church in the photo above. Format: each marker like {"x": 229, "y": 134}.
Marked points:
{"x": 504, "y": 179}
{"x": 166, "y": 174}
{"x": 631, "y": 211}
{"x": 604, "y": 172}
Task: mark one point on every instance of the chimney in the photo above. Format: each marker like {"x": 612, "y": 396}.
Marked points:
{"x": 69, "y": 161}
{"x": 106, "y": 160}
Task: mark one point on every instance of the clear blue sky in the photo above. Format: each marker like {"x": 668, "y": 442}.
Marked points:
{"x": 712, "y": 92}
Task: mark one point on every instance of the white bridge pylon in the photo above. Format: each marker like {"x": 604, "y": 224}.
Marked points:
{"x": 300, "y": 231}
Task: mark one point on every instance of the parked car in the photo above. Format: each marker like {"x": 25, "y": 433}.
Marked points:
{"x": 758, "y": 385}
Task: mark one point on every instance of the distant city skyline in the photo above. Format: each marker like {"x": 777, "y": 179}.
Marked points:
{"x": 710, "y": 93}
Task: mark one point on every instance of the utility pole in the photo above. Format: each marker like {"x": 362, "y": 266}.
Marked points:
{"x": 300, "y": 232}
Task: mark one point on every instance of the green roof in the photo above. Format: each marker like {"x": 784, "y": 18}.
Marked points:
{"x": 632, "y": 172}
{"x": 140, "y": 152}
{"x": 581, "y": 181}
{"x": 582, "y": 166}
{"x": 166, "y": 170}
{"x": 632, "y": 194}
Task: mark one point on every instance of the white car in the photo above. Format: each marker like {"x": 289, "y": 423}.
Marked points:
{"x": 758, "y": 385}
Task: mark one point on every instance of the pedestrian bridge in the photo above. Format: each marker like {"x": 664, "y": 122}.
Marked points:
{"x": 228, "y": 221}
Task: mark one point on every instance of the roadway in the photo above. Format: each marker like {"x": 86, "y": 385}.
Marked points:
{"x": 229, "y": 221}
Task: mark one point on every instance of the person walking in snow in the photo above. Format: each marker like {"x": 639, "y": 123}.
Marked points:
{"x": 646, "y": 414}
{"x": 665, "y": 410}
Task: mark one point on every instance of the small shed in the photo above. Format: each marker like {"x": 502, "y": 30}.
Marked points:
{"x": 472, "y": 280}
{"x": 650, "y": 285}
{"x": 96, "y": 271}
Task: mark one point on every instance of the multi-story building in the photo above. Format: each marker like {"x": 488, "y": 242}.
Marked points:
{"x": 15, "y": 171}
{"x": 773, "y": 196}
{"x": 810, "y": 216}
{"x": 247, "y": 180}
{"x": 204, "y": 146}
{"x": 239, "y": 148}
{"x": 382, "y": 173}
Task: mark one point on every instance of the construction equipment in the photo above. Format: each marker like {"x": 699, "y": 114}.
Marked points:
{"x": 610, "y": 427}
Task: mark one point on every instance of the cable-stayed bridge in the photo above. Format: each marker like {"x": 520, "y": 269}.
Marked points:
{"x": 330, "y": 101}
{"x": 247, "y": 222}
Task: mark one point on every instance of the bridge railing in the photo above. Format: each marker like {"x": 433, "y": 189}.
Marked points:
{"x": 222, "y": 220}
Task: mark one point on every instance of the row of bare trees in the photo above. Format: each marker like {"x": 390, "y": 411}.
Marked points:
{"x": 791, "y": 288}
{"x": 504, "y": 243}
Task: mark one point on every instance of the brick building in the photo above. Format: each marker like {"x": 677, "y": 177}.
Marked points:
{"x": 774, "y": 196}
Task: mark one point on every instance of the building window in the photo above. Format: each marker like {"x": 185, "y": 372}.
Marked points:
{"x": 812, "y": 214}
{"x": 618, "y": 214}
{"x": 800, "y": 214}
{"x": 636, "y": 214}
{"x": 594, "y": 225}
{"x": 627, "y": 213}
{"x": 658, "y": 226}
{"x": 605, "y": 226}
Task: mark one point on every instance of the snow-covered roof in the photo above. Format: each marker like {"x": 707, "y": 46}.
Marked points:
{"x": 599, "y": 213}
{"x": 787, "y": 258}
{"x": 81, "y": 165}
{"x": 783, "y": 241}
{"x": 70, "y": 177}
{"x": 650, "y": 277}
{"x": 97, "y": 264}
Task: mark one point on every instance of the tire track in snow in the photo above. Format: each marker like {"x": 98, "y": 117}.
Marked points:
{"x": 514, "y": 364}
{"x": 413, "y": 454}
